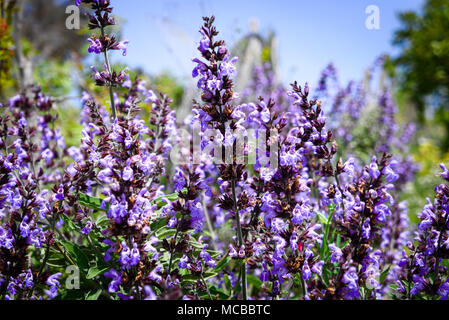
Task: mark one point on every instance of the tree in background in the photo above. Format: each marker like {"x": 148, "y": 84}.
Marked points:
{"x": 36, "y": 53}
{"x": 423, "y": 65}
{"x": 6, "y": 44}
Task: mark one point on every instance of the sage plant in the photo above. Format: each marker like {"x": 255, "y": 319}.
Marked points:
{"x": 270, "y": 194}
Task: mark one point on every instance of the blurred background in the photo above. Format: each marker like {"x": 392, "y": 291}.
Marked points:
{"x": 341, "y": 48}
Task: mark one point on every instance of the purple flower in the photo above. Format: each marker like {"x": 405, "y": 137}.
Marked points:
{"x": 25, "y": 227}
{"x": 443, "y": 290}
{"x": 154, "y": 274}
{"x": 105, "y": 175}
{"x": 127, "y": 174}
{"x": 373, "y": 169}
{"x": 227, "y": 67}
{"x": 150, "y": 295}
{"x": 391, "y": 176}
{"x": 95, "y": 46}
{"x": 60, "y": 193}
{"x": 6, "y": 238}
{"x": 115, "y": 282}
{"x": 123, "y": 45}
{"x": 301, "y": 213}
{"x": 53, "y": 282}
{"x": 179, "y": 180}
{"x": 336, "y": 253}
{"x": 87, "y": 227}
{"x": 366, "y": 229}
{"x": 350, "y": 278}
{"x": 445, "y": 173}
{"x": 48, "y": 155}
{"x": 204, "y": 43}
{"x": 418, "y": 284}
{"x": 318, "y": 267}
{"x": 183, "y": 262}
{"x": 207, "y": 258}
{"x": 306, "y": 273}
{"x": 134, "y": 256}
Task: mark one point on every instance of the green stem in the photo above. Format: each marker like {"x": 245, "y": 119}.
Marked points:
{"x": 207, "y": 288}
{"x": 111, "y": 92}
{"x": 240, "y": 239}
{"x": 172, "y": 249}
{"x": 209, "y": 223}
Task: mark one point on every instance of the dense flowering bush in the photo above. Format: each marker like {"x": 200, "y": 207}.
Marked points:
{"x": 264, "y": 199}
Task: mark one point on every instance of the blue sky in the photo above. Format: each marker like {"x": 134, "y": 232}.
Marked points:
{"x": 163, "y": 33}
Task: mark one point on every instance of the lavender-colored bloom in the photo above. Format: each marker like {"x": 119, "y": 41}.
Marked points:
{"x": 445, "y": 173}
{"x": 179, "y": 180}
{"x": 95, "y": 46}
{"x": 6, "y": 238}
{"x": 123, "y": 45}
{"x": 183, "y": 262}
{"x": 373, "y": 169}
{"x": 87, "y": 227}
{"x": 53, "y": 282}
{"x": 60, "y": 193}
{"x": 306, "y": 273}
{"x": 127, "y": 174}
{"x": 207, "y": 258}
{"x": 336, "y": 253}
{"x": 350, "y": 278}
{"x": 150, "y": 295}
{"x": 154, "y": 274}
{"x": 301, "y": 213}
{"x": 115, "y": 282}
{"x": 391, "y": 176}
{"x": 443, "y": 290}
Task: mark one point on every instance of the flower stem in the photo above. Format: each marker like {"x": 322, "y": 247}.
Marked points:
{"x": 172, "y": 249}
{"x": 108, "y": 66}
{"x": 207, "y": 288}
{"x": 240, "y": 239}
{"x": 209, "y": 224}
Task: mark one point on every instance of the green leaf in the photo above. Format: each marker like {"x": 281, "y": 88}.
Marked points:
{"x": 102, "y": 219}
{"x": 158, "y": 224}
{"x": 93, "y": 295}
{"x": 255, "y": 281}
{"x": 91, "y": 202}
{"x": 165, "y": 232}
{"x": 324, "y": 250}
{"x": 345, "y": 243}
{"x": 326, "y": 274}
{"x": 297, "y": 279}
{"x": 69, "y": 223}
{"x": 227, "y": 283}
{"x": 95, "y": 271}
{"x": 384, "y": 274}
{"x": 77, "y": 255}
{"x": 221, "y": 294}
{"x": 171, "y": 197}
{"x": 321, "y": 217}
{"x": 56, "y": 261}
{"x": 222, "y": 264}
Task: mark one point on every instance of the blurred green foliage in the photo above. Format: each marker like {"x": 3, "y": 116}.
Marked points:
{"x": 423, "y": 64}
{"x": 429, "y": 156}
{"x": 165, "y": 82}
{"x": 60, "y": 83}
